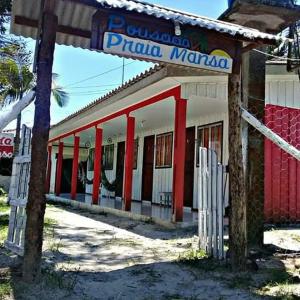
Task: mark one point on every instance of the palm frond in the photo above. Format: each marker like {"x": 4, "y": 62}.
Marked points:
{"x": 60, "y": 96}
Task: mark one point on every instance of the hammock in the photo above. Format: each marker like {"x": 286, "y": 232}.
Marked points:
{"x": 110, "y": 186}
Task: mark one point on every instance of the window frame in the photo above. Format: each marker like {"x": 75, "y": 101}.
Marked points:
{"x": 210, "y": 125}
{"x": 172, "y": 141}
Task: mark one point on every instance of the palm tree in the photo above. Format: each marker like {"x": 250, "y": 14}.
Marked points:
{"x": 16, "y": 80}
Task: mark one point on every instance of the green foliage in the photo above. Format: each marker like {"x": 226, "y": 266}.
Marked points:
{"x": 4, "y": 207}
{"x": 60, "y": 96}
{"x": 16, "y": 78}
{"x": 5, "y": 8}
{"x": 4, "y": 219}
{"x": 5, "y": 288}
{"x": 192, "y": 256}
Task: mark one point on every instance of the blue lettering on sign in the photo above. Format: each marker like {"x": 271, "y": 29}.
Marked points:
{"x": 198, "y": 58}
{"x": 122, "y": 44}
{"x": 114, "y": 40}
{"x": 116, "y": 22}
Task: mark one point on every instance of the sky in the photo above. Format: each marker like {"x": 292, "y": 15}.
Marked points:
{"x": 75, "y": 65}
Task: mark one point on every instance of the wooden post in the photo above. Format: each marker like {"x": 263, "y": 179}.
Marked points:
{"x": 75, "y": 167}
{"x": 59, "y": 163}
{"x": 36, "y": 204}
{"x": 254, "y": 75}
{"x": 179, "y": 158}
{"x": 97, "y": 165}
{"x": 129, "y": 154}
{"x": 49, "y": 169}
{"x": 237, "y": 221}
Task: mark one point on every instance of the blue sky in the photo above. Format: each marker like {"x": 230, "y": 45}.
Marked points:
{"x": 75, "y": 65}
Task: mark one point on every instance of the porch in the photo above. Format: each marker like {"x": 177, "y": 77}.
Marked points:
{"x": 140, "y": 210}
{"x": 142, "y": 140}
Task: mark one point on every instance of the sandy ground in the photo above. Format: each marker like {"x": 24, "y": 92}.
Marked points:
{"x": 89, "y": 256}
{"x": 123, "y": 259}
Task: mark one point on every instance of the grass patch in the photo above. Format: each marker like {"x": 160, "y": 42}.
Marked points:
{"x": 296, "y": 237}
{"x": 5, "y": 288}
{"x": 5, "y": 283}
{"x": 192, "y": 255}
{"x": 4, "y": 220}
{"x": 279, "y": 284}
{"x": 61, "y": 278}
{"x": 4, "y": 207}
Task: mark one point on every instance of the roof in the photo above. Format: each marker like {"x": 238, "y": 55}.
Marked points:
{"x": 127, "y": 84}
{"x": 74, "y": 19}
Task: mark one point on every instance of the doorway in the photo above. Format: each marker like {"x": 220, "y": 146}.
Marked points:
{"x": 120, "y": 168}
{"x": 66, "y": 175}
{"x": 189, "y": 167}
{"x": 148, "y": 164}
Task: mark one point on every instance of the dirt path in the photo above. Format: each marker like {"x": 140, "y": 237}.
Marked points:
{"x": 90, "y": 256}
{"x": 123, "y": 259}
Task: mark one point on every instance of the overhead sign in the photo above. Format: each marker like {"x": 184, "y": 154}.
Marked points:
{"x": 123, "y": 45}
{"x": 135, "y": 36}
{"x": 6, "y": 145}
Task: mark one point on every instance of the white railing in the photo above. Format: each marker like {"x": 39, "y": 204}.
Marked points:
{"x": 211, "y": 203}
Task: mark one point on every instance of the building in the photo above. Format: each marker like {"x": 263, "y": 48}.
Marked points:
{"x": 150, "y": 100}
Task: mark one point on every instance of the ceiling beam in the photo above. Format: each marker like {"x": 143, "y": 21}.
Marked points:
{"x": 19, "y": 20}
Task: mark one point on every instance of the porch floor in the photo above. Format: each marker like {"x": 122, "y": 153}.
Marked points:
{"x": 143, "y": 208}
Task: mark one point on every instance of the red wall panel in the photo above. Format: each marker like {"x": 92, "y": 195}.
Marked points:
{"x": 282, "y": 171}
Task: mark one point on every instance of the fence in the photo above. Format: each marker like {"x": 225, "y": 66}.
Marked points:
{"x": 211, "y": 203}
{"x": 18, "y": 193}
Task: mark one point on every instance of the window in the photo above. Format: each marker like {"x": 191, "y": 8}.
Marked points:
{"x": 164, "y": 145}
{"x": 108, "y": 157}
{"x": 211, "y": 136}
{"x": 91, "y": 159}
{"x": 136, "y": 150}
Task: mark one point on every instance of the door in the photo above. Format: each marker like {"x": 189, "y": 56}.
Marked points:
{"x": 66, "y": 175}
{"x": 148, "y": 164}
{"x": 189, "y": 167}
{"x": 120, "y": 168}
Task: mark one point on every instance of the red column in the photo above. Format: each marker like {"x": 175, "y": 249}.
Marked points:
{"x": 129, "y": 156}
{"x": 75, "y": 167}
{"x": 97, "y": 164}
{"x": 49, "y": 166}
{"x": 59, "y": 168}
{"x": 179, "y": 158}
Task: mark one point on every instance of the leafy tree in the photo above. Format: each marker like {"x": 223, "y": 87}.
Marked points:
{"x": 5, "y": 8}
{"x": 16, "y": 80}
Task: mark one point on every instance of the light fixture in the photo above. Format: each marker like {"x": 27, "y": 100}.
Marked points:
{"x": 177, "y": 28}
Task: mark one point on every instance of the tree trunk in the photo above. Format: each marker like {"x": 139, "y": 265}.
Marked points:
{"x": 17, "y": 137}
{"x": 36, "y": 199}
{"x": 237, "y": 221}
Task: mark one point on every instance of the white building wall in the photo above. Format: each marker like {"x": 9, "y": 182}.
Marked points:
{"x": 283, "y": 90}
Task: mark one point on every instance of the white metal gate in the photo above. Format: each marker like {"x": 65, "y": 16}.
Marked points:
{"x": 211, "y": 203}
{"x": 18, "y": 193}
